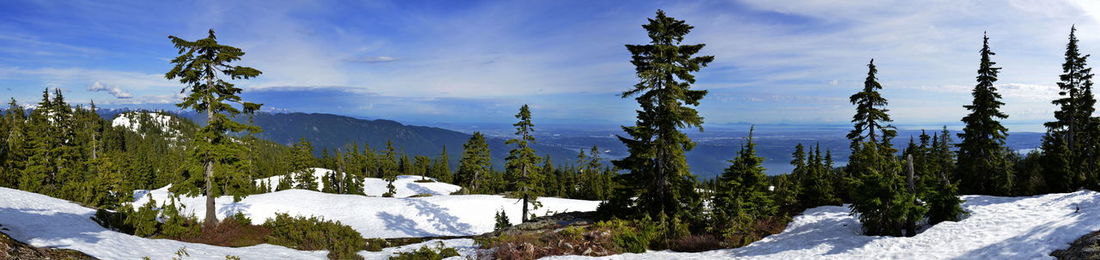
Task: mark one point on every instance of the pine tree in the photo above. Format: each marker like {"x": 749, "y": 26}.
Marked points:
{"x": 522, "y": 163}
{"x": 880, "y": 196}
{"x": 982, "y": 166}
{"x": 658, "y": 175}
{"x": 742, "y": 195}
{"x": 475, "y": 165}
{"x": 871, "y": 118}
{"x": 1070, "y": 143}
{"x": 199, "y": 67}
{"x": 39, "y": 168}
{"x": 441, "y": 167}
{"x": 391, "y": 167}
{"x": 15, "y": 144}
{"x": 301, "y": 165}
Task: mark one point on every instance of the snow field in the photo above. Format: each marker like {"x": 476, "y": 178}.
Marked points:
{"x": 998, "y": 228}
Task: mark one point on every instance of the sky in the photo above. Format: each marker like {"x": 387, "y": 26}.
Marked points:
{"x": 455, "y": 62}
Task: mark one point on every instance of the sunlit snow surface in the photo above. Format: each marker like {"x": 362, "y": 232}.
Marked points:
{"x": 49, "y": 222}
{"x": 998, "y": 228}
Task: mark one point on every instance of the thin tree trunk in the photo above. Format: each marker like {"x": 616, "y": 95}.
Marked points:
{"x": 211, "y": 219}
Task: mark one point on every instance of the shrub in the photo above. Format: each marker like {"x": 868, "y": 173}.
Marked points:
{"x": 421, "y": 195}
{"x": 176, "y": 225}
{"x": 502, "y": 221}
{"x": 231, "y": 232}
{"x": 114, "y": 220}
{"x": 426, "y": 253}
{"x": 144, "y": 220}
{"x": 695, "y": 243}
{"x": 376, "y": 244}
{"x": 312, "y": 233}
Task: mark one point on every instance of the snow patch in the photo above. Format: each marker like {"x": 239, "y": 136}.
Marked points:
{"x": 405, "y": 185}
{"x": 998, "y": 228}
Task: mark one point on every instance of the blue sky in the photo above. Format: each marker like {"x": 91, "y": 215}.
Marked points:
{"x": 478, "y": 61}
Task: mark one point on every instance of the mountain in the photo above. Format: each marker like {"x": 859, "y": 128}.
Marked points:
{"x": 328, "y": 131}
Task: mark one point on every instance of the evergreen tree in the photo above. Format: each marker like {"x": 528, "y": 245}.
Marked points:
{"x": 301, "y": 165}
{"x": 200, "y": 68}
{"x": 871, "y": 119}
{"x": 982, "y": 166}
{"x": 390, "y": 169}
{"x": 441, "y": 168}
{"x": 522, "y": 163}
{"x": 880, "y": 196}
{"x": 742, "y": 195}
{"x": 15, "y": 145}
{"x": 658, "y": 179}
{"x": 1070, "y": 145}
{"x": 475, "y": 165}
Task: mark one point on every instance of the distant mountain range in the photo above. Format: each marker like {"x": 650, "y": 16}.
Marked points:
{"x": 708, "y": 159}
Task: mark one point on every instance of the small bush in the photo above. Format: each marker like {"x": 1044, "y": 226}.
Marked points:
{"x": 114, "y": 220}
{"x": 144, "y": 220}
{"x": 421, "y": 195}
{"x": 376, "y": 244}
{"x": 424, "y": 180}
{"x": 427, "y": 253}
{"x": 312, "y": 233}
{"x": 695, "y": 243}
{"x": 502, "y": 221}
{"x": 231, "y": 232}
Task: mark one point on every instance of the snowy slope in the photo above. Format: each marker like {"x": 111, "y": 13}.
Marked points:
{"x": 451, "y": 215}
{"x": 405, "y": 185}
{"x": 998, "y": 228}
{"x": 43, "y": 221}
{"x": 130, "y": 121}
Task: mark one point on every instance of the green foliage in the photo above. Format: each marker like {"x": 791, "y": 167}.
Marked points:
{"x": 177, "y": 225}
{"x": 1072, "y": 142}
{"x": 201, "y": 66}
{"x": 871, "y": 120}
{"x": 523, "y": 174}
{"x": 475, "y": 166}
{"x": 501, "y": 220}
{"x": 982, "y": 164}
{"x": 301, "y": 165}
{"x": 426, "y": 253}
{"x": 658, "y": 178}
{"x": 313, "y": 233}
{"x": 144, "y": 220}
{"x": 881, "y": 199}
{"x": 742, "y": 194}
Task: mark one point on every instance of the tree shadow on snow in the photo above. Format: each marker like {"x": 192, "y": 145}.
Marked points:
{"x": 29, "y": 224}
{"x": 842, "y": 234}
{"x": 403, "y": 224}
{"x": 439, "y": 218}
{"x": 1025, "y": 246}
{"x": 417, "y": 189}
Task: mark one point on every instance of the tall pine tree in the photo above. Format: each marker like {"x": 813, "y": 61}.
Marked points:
{"x": 522, "y": 163}
{"x": 1069, "y": 147}
{"x": 982, "y": 164}
{"x": 658, "y": 175}
{"x": 203, "y": 67}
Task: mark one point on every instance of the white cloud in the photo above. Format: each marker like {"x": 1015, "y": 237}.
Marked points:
{"x": 114, "y": 90}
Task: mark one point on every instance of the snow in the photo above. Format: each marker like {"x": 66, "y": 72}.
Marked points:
{"x": 130, "y": 121}
{"x": 998, "y": 228}
{"x": 43, "y": 221}
{"x": 377, "y": 217}
{"x": 405, "y": 185}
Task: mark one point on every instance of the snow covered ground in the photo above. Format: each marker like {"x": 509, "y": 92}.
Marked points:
{"x": 405, "y": 185}
{"x": 998, "y": 228}
{"x": 44, "y": 221}
{"x": 377, "y": 217}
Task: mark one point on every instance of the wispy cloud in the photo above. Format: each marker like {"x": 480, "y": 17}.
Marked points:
{"x": 114, "y": 90}
{"x": 372, "y": 59}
